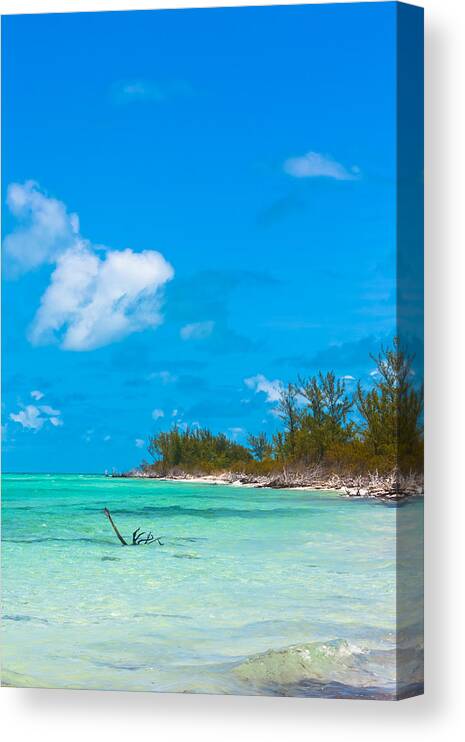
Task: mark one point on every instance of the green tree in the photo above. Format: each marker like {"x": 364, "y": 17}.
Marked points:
{"x": 288, "y": 412}
{"x": 392, "y": 411}
{"x": 260, "y": 446}
{"x": 198, "y": 448}
{"x": 325, "y": 415}
{"x": 318, "y": 427}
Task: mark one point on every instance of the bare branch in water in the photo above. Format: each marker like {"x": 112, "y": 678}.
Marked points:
{"x": 138, "y": 537}
{"x": 121, "y": 539}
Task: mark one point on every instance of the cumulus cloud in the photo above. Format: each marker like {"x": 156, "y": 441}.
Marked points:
{"x": 28, "y": 417}
{"x": 197, "y": 330}
{"x": 35, "y": 394}
{"x": 96, "y": 296}
{"x": 48, "y": 410}
{"x": 260, "y": 383}
{"x": 156, "y": 414}
{"x": 45, "y": 228}
{"x": 139, "y": 442}
{"x": 91, "y": 301}
{"x": 34, "y": 417}
{"x": 316, "y": 165}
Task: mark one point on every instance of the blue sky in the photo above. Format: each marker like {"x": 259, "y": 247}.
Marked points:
{"x": 198, "y": 206}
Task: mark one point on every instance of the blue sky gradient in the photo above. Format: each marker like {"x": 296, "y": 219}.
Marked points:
{"x": 254, "y": 149}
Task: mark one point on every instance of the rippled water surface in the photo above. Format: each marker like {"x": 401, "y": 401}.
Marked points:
{"x": 253, "y": 591}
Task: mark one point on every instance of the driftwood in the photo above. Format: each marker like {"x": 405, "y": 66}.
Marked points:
{"x": 138, "y": 537}
{"x": 143, "y": 538}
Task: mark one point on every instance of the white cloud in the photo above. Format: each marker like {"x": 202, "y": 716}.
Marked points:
{"x": 93, "y": 301}
{"x": 45, "y": 228}
{"x": 28, "y": 417}
{"x": 156, "y": 414}
{"x": 140, "y": 443}
{"x": 95, "y": 296}
{"x": 315, "y": 165}
{"x": 174, "y": 413}
{"x": 136, "y": 90}
{"x": 37, "y": 395}
{"x": 197, "y": 330}
{"x": 165, "y": 376}
{"x": 348, "y": 377}
{"x": 260, "y": 383}
{"x": 133, "y": 91}
{"x": 34, "y": 418}
{"x": 236, "y": 432}
{"x": 49, "y": 410}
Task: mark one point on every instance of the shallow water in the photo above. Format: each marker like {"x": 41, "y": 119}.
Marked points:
{"x": 254, "y": 591}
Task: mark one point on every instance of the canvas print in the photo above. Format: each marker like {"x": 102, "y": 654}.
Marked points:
{"x": 212, "y": 410}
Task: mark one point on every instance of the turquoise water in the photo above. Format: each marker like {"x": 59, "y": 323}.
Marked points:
{"x": 254, "y": 591}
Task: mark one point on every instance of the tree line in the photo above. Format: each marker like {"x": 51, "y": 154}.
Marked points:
{"x": 323, "y": 423}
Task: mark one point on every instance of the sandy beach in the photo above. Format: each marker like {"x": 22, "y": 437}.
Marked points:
{"x": 390, "y": 487}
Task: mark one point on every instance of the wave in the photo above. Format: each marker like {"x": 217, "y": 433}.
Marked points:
{"x": 61, "y": 540}
{"x": 173, "y": 511}
{"x": 336, "y": 668}
{"x": 23, "y": 617}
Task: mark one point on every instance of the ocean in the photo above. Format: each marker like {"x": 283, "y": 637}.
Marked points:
{"x": 251, "y": 591}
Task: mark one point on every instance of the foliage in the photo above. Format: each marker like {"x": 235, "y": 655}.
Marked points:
{"x": 260, "y": 447}
{"x": 198, "y": 448}
{"x": 324, "y": 419}
{"x": 392, "y": 411}
{"x": 378, "y": 428}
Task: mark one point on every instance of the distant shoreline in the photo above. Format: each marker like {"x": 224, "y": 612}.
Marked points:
{"x": 390, "y": 487}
